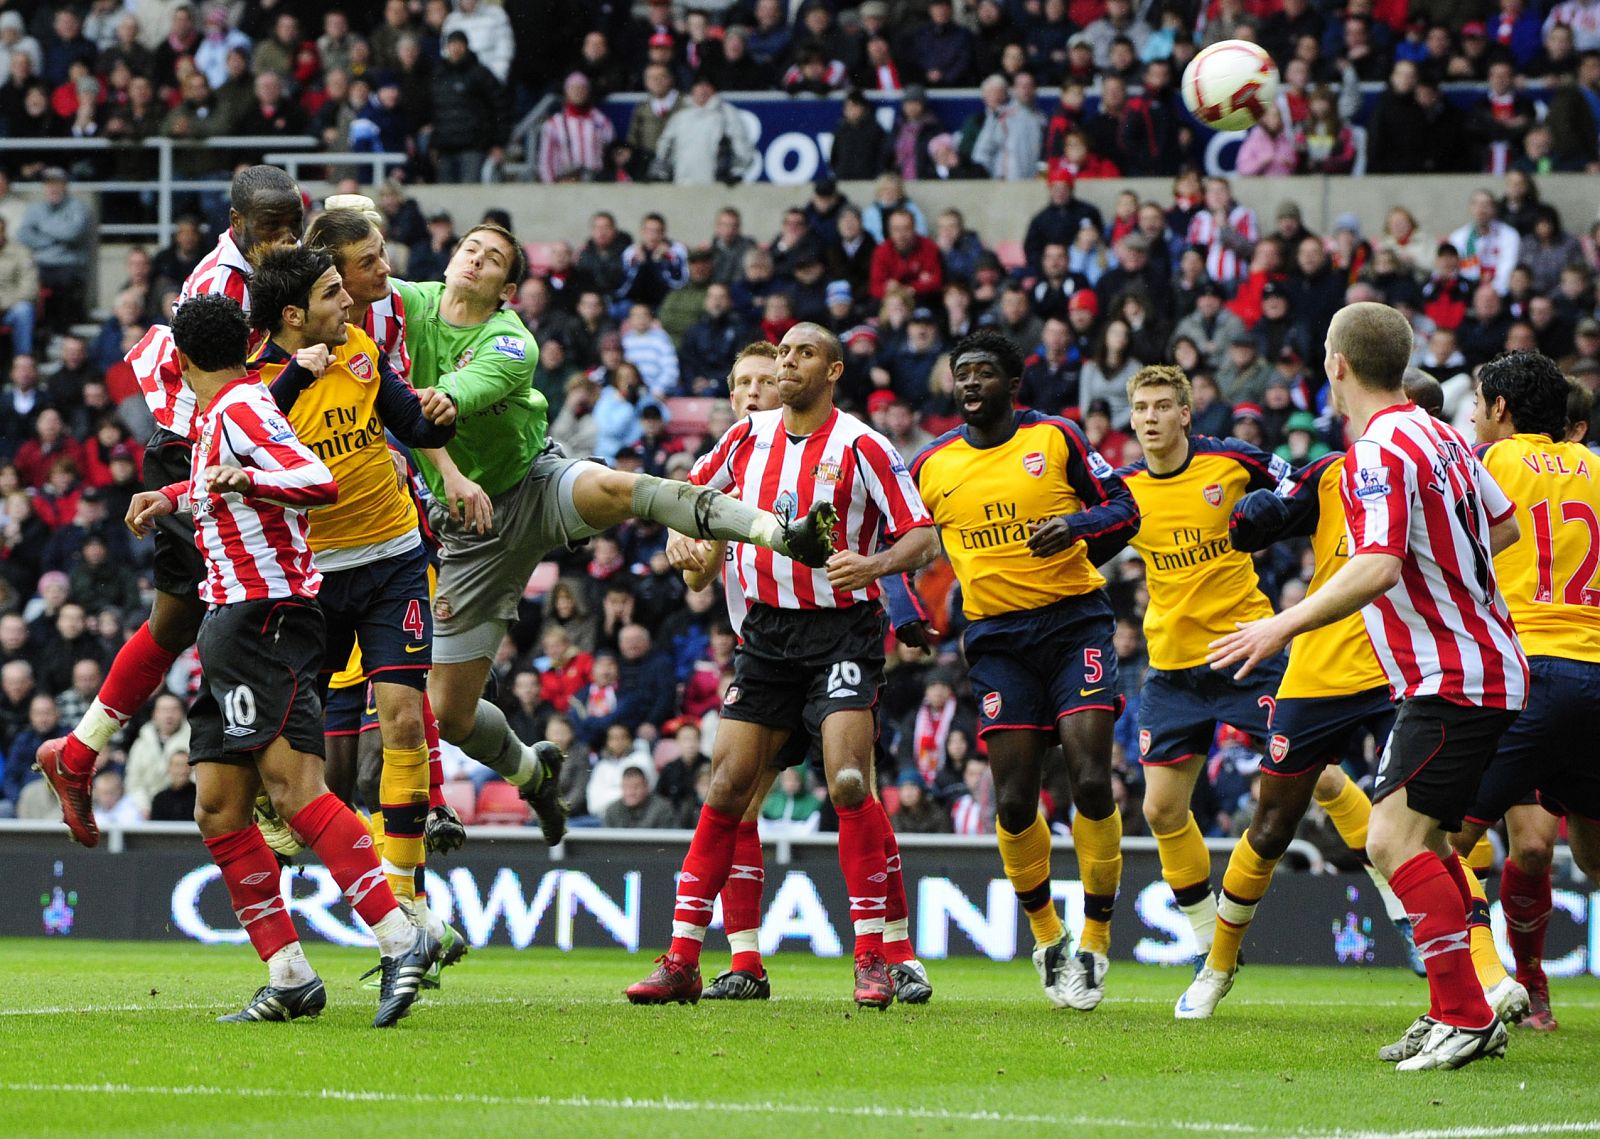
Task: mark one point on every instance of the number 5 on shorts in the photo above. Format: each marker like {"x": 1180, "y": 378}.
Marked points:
{"x": 1092, "y": 668}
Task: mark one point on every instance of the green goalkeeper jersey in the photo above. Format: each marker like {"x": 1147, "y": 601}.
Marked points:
{"x": 488, "y": 370}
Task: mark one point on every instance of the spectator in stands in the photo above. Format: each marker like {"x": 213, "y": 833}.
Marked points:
{"x": 57, "y": 230}
{"x": 175, "y": 802}
{"x": 646, "y": 345}
{"x": 1210, "y": 327}
{"x": 684, "y": 305}
{"x": 1013, "y": 318}
{"x": 73, "y": 702}
{"x": 705, "y": 141}
{"x": 99, "y": 581}
{"x": 273, "y": 112}
{"x": 489, "y": 34}
{"x": 470, "y": 111}
{"x": 859, "y": 144}
{"x": 941, "y": 50}
{"x": 1489, "y": 247}
{"x": 573, "y": 141}
{"x": 652, "y": 266}
{"x": 19, "y": 291}
{"x": 1010, "y": 141}
{"x": 616, "y": 412}
{"x": 1058, "y": 223}
{"x": 637, "y": 806}
{"x": 50, "y": 441}
{"x": 1243, "y": 376}
{"x": 908, "y": 259}
{"x": 1106, "y": 373}
{"x": 111, "y": 807}
{"x": 1050, "y": 373}
{"x": 848, "y": 257}
{"x": 1269, "y": 149}
{"x": 429, "y": 259}
{"x": 149, "y": 756}
{"x": 218, "y": 41}
{"x": 650, "y": 114}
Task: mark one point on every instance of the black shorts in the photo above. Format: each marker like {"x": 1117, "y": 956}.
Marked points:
{"x": 1030, "y": 670}
{"x": 178, "y": 568}
{"x": 1438, "y": 751}
{"x": 259, "y": 662}
{"x": 383, "y": 604}
{"x": 1309, "y": 732}
{"x": 798, "y": 667}
{"x": 349, "y": 711}
{"x": 1548, "y": 755}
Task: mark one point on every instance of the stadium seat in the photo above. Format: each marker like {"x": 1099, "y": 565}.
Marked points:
{"x": 689, "y": 414}
{"x": 891, "y": 799}
{"x": 460, "y": 794}
{"x": 500, "y": 804}
{"x": 1010, "y": 254}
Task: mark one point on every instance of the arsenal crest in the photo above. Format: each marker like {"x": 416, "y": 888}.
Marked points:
{"x": 361, "y": 365}
{"x": 1144, "y": 741}
{"x": 1033, "y": 463}
{"x": 1279, "y": 747}
{"x": 1214, "y": 494}
{"x": 991, "y": 705}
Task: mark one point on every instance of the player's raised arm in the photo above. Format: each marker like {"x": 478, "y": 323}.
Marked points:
{"x": 402, "y": 412}
{"x": 1109, "y": 517}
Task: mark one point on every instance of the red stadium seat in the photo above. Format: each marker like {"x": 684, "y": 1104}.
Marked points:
{"x": 891, "y": 799}
{"x": 1010, "y": 254}
{"x": 499, "y": 803}
{"x": 689, "y": 414}
{"x": 463, "y": 796}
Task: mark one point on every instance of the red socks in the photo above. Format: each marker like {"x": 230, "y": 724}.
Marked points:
{"x": 1433, "y": 901}
{"x": 866, "y": 872}
{"x": 741, "y": 900}
{"x": 430, "y": 736}
{"x": 1525, "y": 900}
{"x": 705, "y": 871}
{"x": 896, "y": 949}
{"x": 138, "y": 670}
{"x": 331, "y": 829}
{"x": 251, "y": 873}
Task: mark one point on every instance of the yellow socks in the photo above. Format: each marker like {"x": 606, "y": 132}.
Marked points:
{"x": 1099, "y": 846}
{"x": 1244, "y": 884}
{"x": 1485, "y": 957}
{"x": 1186, "y": 866}
{"x": 403, "y": 789}
{"x": 1026, "y": 857}
{"x": 1350, "y": 811}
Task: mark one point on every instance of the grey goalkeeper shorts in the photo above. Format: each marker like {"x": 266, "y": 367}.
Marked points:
{"x": 482, "y": 576}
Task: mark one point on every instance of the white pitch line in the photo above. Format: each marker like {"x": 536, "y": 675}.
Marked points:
{"x": 633, "y": 1104}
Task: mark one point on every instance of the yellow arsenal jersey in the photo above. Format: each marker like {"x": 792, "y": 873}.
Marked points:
{"x": 1549, "y": 577}
{"x": 987, "y": 501}
{"x": 1200, "y": 586}
{"x": 337, "y": 417}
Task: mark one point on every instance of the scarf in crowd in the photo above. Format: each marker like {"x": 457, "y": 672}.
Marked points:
{"x": 930, "y": 730}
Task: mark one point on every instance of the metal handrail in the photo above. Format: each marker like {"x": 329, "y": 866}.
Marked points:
{"x": 291, "y": 153}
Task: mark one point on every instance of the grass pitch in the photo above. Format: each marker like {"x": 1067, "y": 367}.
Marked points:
{"x": 118, "y": 1040}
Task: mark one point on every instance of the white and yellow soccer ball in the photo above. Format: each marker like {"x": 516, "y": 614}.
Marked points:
{"x": 1230, "y": 85}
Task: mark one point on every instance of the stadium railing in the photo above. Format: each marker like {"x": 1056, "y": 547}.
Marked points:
{"x": 292, "y": 153}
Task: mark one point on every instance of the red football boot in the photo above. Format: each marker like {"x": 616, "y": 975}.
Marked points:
{"x": 874, "y": 982}
{"x": 1539, "y": 1017}
{"x": 673, "y": 980}
{"x": 77, "y": 811}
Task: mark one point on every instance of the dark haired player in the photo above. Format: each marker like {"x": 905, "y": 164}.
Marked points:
{"x": 1425, "y": 521}
{"x": 265, "y": 210}
{"x": 342, "y": 398}
{"x": 469, "y": 352}
{"x": 1523, "y": 416}
{"x": 812, "y": 658}
{"x": 257, "y": 723}
{"x": 1026, "y": 509}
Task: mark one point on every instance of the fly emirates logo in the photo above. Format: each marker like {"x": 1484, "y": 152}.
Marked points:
{"x": 1191, "y": 547}
{"x": 346, "y": 433}
{"x": 1000, "y": 527}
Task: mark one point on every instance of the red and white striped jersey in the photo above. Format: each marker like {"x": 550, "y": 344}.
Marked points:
{"x": 844, "y": 462}
{"x": 1223, "y": 264}
{"x": 254, "y": 544}
{"x": 386, "y": 324}
{"x": 155, "y": 358}
{"x": 1413, "y": 488}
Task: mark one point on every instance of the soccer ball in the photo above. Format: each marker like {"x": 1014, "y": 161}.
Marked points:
{"x": 1230, "y": 85}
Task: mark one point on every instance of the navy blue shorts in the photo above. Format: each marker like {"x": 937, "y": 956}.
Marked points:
{"x": 1030, "y": 669}
{"x": 384, "y": 604}
{"x": 1179, "y": 710}
{"x": 1311, "y": 731}
{"x": 348, "y": 711}
{"x": 1550, "y": 750}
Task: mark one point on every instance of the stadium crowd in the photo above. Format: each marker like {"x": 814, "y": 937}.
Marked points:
{"x": 638, "y": 324}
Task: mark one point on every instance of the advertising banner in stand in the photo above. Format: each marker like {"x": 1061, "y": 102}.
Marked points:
{"x": 620, "y": 894}
{"x": 795, "y": 135}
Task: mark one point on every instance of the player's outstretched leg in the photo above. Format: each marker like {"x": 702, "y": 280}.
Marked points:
{"x": 605, "y": 498}
{"x": 535, "y": 770}
{"x": 911, "y": 984}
